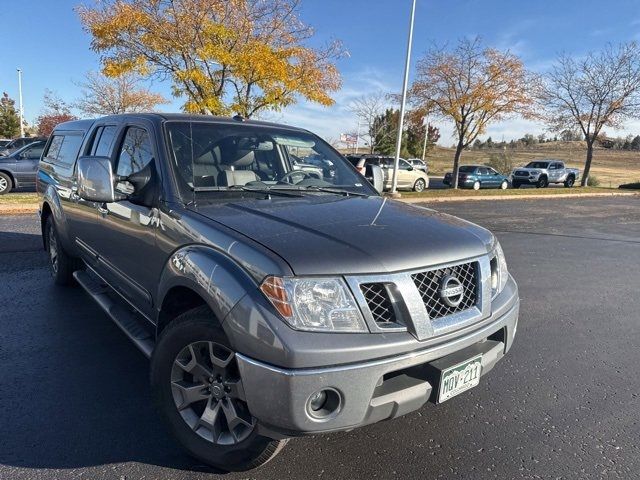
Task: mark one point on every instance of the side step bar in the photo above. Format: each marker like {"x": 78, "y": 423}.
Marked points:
{"x": 128, "y": 322}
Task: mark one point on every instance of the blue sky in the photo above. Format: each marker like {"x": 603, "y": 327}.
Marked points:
{"x": 45, "y": 39}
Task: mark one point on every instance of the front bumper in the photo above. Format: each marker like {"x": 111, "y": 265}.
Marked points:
{"x": 530, "y": 180}
{"x": 369, "y": 391}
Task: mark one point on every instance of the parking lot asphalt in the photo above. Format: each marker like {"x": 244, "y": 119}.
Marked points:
{"x": 564, "y": 403}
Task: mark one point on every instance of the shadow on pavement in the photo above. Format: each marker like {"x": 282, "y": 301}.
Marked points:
{"x": 74, "y": 392}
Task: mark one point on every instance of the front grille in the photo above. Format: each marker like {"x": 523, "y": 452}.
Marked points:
{"x": 378, "y": 301}
{"x": 522, "y": 173}
{"x": 429, "y": 286}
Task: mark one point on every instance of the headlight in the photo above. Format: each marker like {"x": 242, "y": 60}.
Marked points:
{"x": 499, "y": 273}
{"x": 314, "y": 304}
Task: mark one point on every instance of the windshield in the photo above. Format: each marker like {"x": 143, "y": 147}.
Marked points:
{"x": 537, "y": 164}
{"x": 210, "y": 158}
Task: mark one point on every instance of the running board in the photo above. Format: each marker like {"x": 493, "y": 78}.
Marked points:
{"x": 130, "y": 323}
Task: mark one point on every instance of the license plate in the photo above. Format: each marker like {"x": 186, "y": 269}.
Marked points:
{"x": 459, "y": 378}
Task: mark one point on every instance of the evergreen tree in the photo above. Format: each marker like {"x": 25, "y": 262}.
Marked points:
{"x": 9, "y": 119}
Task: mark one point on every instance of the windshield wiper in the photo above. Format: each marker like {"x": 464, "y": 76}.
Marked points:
{"x": 346, "y": 193}
{"x": 235, "y": 188}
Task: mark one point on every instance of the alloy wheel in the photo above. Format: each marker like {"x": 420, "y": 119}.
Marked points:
{"x": 3, "y": 184}
{"x": 208, "y": 394}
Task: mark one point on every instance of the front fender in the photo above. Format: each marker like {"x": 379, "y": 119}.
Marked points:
{"x": 219, "y": 280}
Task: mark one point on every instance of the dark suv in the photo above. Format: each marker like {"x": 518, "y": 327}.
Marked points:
{"x": 18, "y": 143}
{"x": 274, "y": 301}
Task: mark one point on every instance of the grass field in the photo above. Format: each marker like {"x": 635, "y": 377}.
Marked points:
{"x": 611, "y": 167}
{"x": 523, "y": 192}
{"x": 18, "y": 203}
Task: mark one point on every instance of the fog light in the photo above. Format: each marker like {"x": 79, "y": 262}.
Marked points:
{"x": 324, "y": 404}
{"x": 317, "y": 400}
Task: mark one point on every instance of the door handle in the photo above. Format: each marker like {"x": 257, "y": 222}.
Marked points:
{"x": 102, "y": 210}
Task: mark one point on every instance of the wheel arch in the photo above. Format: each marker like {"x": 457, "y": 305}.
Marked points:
{"x": 14, "y": 182}
{"x": 198, "y": 275}
{"x": 45, "y": 213}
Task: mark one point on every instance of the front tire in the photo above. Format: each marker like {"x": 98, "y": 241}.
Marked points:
{"x": 543, "y": 182}
{"x": 5, "y": 183}
{"x": 420, "y": 185}
{"x": 198, "y": 390}
{"x": 504, "y": 185}
{"x": 61, "y": 264}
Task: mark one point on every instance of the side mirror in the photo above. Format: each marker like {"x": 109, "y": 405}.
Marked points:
{"x": 96, "y": 180}
{"x": 410, "y": 168}
{"x": 375, "y": 176}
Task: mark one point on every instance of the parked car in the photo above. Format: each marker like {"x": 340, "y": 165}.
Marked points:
{"x": 18, "y": 169}
{"x": 271, "y": 304}
{"x": 418, "y": 164}
{"x": 543, "y": 172}
{"x": 409, "y": 178}
{"x": 18, "y": 143}
{"x": 477, "y": 177}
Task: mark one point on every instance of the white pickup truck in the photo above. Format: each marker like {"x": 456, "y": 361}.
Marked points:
{"x": 543, "y": 172}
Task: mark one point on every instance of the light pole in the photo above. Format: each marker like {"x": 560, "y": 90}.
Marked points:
{"x": 426, "y": 137}
{"x": 396, "y": 163}
{"x": 20, "y": 102}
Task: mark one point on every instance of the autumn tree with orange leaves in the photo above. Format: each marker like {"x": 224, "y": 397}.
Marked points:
{"x": 225, "y": 56}
{"x": 473, "y": 86}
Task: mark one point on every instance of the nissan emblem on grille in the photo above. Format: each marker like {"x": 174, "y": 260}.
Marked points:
{"x": 451, "y": 291}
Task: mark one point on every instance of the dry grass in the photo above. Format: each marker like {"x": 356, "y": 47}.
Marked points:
{"x": 522, "y": 192}
{"x": 612, "y": 167}
{"x": 18, "y": 203}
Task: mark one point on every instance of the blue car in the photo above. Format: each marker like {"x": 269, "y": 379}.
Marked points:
{"x": 477, "y": 177}
{"x": 18, "y": 169}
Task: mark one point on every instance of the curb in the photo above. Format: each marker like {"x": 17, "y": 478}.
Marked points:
{"x": 516, "y": 197}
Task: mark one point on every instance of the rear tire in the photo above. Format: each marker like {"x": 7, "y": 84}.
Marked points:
{"x": 61, "y": 264}
{"x": 569, "y": 182}
{"x": 234, "y": 449}
{"x": 420, "y": 185}
{"x": 6, "y": 184}
{"x": 476, "y": 185}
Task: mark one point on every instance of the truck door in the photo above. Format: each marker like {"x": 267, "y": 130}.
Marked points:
{"x": 128, "y": 259}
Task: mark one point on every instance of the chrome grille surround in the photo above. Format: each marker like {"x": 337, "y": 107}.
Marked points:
{"x": 411, "y": 313}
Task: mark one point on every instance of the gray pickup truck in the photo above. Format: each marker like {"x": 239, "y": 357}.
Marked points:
{"x": 272, "y": 301}
{"x": 543, "y": 172}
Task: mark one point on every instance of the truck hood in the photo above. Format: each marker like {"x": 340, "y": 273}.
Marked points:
{"x": 320, "y": 235}
{"x": 529, "y": 170}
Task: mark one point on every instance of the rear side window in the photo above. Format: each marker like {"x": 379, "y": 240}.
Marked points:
{"x": 69, "y": 150}
{"x": 34, "y": 152}
{"x": 135, "y": 152}
{"x": 54, "y": 148}
{"x": 103, "y": 141}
